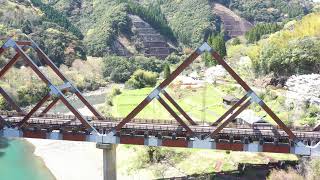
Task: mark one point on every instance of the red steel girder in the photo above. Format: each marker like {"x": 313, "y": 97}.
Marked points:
{"x": 156, "y": 91}
{"x": 176, "y": 105}
{"x": 237, "y": 104}
{"x": 171, "y": 111}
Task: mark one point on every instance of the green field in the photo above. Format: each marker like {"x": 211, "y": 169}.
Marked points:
{"x": 192, "y": 100}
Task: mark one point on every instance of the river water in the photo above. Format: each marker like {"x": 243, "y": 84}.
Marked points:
{"x": 17, "y": 161}
{"x": 17, "y": 158}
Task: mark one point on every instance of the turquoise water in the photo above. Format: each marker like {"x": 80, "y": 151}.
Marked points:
{"x": 17, "y": 161}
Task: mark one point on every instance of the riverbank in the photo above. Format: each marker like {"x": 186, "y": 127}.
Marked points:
{"x": 70, "y": 160}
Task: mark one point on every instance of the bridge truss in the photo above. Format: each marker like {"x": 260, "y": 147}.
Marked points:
{"x": 184, "y": 133}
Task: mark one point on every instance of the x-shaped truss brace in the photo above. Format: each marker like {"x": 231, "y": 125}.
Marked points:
{"x": 58, "y": 92}
{"x": 241, "y": 105}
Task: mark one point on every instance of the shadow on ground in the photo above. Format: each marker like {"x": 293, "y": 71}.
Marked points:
{"x": 244, "y": 172}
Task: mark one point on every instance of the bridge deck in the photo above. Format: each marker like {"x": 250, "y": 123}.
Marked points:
{"x": 168, "y": 133}
{"x": 58, "y": 122}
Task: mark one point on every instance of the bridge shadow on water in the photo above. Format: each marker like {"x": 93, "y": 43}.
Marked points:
{"x": 4, "y": 143}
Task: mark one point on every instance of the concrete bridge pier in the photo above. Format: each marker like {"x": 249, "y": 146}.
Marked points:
{"x": 109, "y": 160}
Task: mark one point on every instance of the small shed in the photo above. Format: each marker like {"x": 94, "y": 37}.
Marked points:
{"x": 248, "y": 117}
{"x": 230, "y": 100}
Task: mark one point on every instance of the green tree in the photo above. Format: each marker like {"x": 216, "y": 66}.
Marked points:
{"x": 166, "y": 71}
{"x": 27, "y": 27}
{"x": 147, "y": 63}
{"x": 218, "y": 43}
{"x": 257, "y": 32}
{"x": 118, "y": 69}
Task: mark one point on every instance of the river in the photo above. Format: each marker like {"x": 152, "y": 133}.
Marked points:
{"x": 18, "y": 162}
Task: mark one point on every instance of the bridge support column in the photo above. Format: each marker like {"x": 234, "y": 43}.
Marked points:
{"x": 109, "y": 160}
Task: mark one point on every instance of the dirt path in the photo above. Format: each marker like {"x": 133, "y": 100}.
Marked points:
{"x": 233, "y": 24}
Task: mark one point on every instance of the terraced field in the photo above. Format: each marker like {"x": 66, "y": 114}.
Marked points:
{"x": 232, "y": 23}
{"x": 150, "y": 40}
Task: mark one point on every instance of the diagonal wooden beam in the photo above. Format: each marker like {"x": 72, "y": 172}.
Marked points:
{"x": 24, "y": 43}
{"x": 59, "y": 93}
{"x": 237, "y": 104}
{"x": 220, "y": 60}
{"x": 9, "y": 64}
{"x": 33, "y": 110}
{"x": 235, "y": 76}
{"x": 168, "y": 108}
{"x": 1, "y": 50}
{"x": 227, "y": 121}
{"x": 55, "y": 69}
{"x": 3, "y": 122}
{"x": 51, "y": 105}
{"x": 10, "y": 100}
{"x": 156, "y": 91}
{"x": 176, "y": 105}
{"x": 77, "y": 113}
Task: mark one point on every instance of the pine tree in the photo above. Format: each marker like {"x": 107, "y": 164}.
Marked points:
{"x": 166, "y": 71}
{"x": 218, "y": 43}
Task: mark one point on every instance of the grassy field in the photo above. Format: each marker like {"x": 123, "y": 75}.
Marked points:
{"x": 192, "y": 100}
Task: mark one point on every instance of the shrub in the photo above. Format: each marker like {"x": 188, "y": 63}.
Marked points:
{"x": 119, "y": 69}
{"x": 31, "y": 93}
{"x": 313, "y": 171}
{"x": 236, "y": 41}
{"x": 114, "y": 92}
{"x": 141, "y": 79}
{"x": 173, "y": 59}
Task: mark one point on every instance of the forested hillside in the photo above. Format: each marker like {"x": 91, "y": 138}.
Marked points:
{"x": 93, "y": 27}
{"x": 51, "y": 32}
{"x": 293, "y": 50}
{"x": 268, "y": 10}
